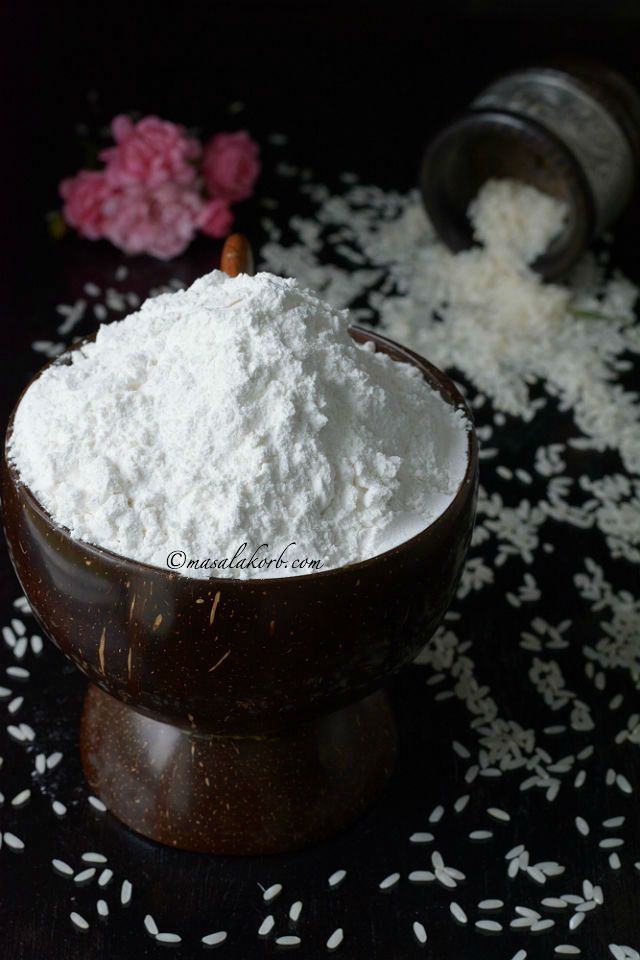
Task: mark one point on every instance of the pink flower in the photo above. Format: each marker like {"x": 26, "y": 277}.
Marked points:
{"x": 152, "y": 151}
{"x": 159, "y": 220}
{"x": 216, "y": 218}
{"x": 84, "y": 196}
{"x": 154, "y": 194}
{"x": 230, "y": 164}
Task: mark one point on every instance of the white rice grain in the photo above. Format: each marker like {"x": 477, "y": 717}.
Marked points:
{"x": 457, "y": 912}
{"x": 213, "y": 939}
{"x": 20, "y": 648}
{"x": 419, "y": 932}
{"x": 389, "y": 881}
{"x": 623, "y": 784}
{"x": 541, "y": 925}
{"x": 445, "y": 879}
{"x": 91, "y": 857}
{"x": 528, "y": 912}
{"x": 266, "y": 926}
{"x": 18, "y": 673}
{"x": 13, "y": 842}
{"x": 515, "y": 852}
{"x": 421, "y": 876}
{"x": 272, "y": 892}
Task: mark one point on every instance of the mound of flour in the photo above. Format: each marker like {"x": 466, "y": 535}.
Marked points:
{"x": 238, "y": 411}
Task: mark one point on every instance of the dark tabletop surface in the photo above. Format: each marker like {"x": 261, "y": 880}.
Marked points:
{"x": 357, "y": 89}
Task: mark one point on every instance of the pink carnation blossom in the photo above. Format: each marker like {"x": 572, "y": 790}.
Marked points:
{"x": 84, "y": 196}
{"x": 159, "y": 220}
{"x": 152, "y": 151}
{"x": 230, "y": 165}
{"x": 216, "y": 218}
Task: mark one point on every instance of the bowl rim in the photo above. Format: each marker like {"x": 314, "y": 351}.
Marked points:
{"x": 435, "y": 378}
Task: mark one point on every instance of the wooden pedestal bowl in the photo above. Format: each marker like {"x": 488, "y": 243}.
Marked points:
{"x": 239, "y": 716}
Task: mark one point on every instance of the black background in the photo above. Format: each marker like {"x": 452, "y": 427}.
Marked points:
{"x": 356, "y": 86}
{"x": 361, "y": 84}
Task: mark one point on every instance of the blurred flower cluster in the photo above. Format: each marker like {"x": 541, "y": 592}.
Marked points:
{"x": 159, "y": 186}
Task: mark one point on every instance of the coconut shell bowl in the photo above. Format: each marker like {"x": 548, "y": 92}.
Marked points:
{"x": 239, "y": 716}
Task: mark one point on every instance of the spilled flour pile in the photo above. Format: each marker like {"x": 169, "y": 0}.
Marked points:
{"x": 238, "y": 411}
{"x": 482, "y": 312}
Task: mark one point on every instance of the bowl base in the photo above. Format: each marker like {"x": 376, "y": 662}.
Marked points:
{"x": 237, "y": 795}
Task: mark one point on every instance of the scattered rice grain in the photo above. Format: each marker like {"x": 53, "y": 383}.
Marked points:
{"x": 213, "y": 939}
{"x": 295, "y": 910}
{"x": 419, "y": 932}
{"x": 389, "y": 881}
{"x": 457, "y": 912}
{"x": 490, "y": 926}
